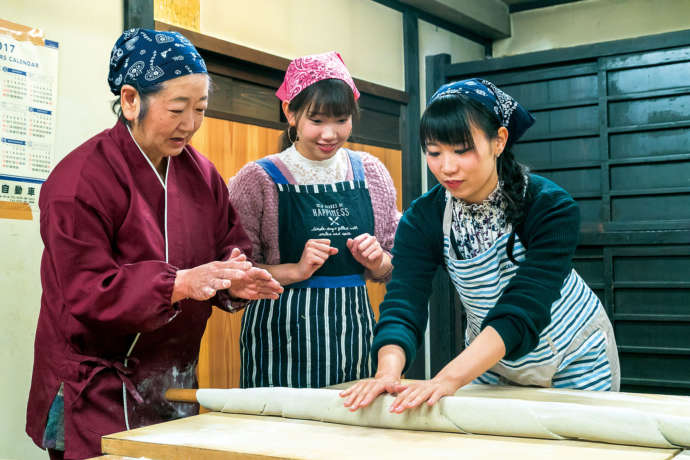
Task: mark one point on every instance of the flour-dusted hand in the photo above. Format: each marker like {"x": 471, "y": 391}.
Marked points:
{"x": 362, "y": 393}
{"x": 202, "y": 282}
{"x": 235, "y": 274}
{"x": 315, "y": 254}
{"x": 256, "y": 284}
{"x": 391, "y": 360}
{"x": 421, "y": 391}
{"x": 481, "y": 355}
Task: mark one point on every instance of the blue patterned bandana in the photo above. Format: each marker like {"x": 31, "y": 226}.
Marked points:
{"x": 143, "y": 57}
{"x": 514, "y": 117}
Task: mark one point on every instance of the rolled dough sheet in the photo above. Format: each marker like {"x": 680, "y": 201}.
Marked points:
{"x": 616, "y": 418}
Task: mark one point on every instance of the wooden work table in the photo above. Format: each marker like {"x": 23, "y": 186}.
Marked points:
{"x": 217, "y": 435}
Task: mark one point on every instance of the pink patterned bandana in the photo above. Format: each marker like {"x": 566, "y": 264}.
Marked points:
{"x": 307, "y": 70}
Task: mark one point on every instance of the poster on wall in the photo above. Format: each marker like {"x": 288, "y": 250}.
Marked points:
{"x": 28, "y": 99}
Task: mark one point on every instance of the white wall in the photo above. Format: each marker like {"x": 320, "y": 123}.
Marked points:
{"x": 591, "y": 21}
{"x": 86, "y": 31}
{"x": 434, "y": 40}
{"x": 367, "y": 34}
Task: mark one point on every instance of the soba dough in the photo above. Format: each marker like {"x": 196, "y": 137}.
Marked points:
{"x": 618, "y": 418}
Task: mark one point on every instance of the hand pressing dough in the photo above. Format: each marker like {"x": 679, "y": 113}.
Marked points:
{"x": 617, "y": 418}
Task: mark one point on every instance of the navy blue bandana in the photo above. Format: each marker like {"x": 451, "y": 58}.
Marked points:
{"x": 514, "y": 117}
{"x": 143, "y": 57}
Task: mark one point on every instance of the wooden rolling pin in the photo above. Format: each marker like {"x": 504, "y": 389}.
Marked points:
{"x": 181, "y": 395}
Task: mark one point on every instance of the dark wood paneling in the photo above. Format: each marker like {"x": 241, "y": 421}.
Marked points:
{"x": 412, "y": 169}
{"x": 138, "y": 13}
{"x": 377, "y": 126}
{"x": 651, "y": 177}
{"x": 560, "y": 123}
{"x": 649, "y": 111}
{"x": 639, "y": 301}
{"x": 590, "y": 213}
{"x": 650, "y": 209}
{"x": 436, "y": 67}
{"x": 558, "y": 153}
{"x": 648, "y": 144}
{"x": 653, "y": 334}
{"x": 242, "y": 98}
{"x": 578, "y": 182}
{"x": 446, "y": 322}
{"x": 557, "y": 91}
{"x": 561, "y": 56}
{"x": 637, "y": 80}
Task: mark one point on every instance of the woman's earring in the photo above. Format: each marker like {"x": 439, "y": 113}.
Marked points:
{"x": 292, "y": 141}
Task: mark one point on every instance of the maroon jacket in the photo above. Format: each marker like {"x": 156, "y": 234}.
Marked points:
{"x": 104, "y": 214}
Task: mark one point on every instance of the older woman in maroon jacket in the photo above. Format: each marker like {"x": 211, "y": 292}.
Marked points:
{"x": 140, "y": 240}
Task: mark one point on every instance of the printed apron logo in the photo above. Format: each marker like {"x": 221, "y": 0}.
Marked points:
{"x": 330, "y": 215}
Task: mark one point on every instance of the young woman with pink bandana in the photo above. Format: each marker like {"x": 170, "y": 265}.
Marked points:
{"x": 321, "y": 219}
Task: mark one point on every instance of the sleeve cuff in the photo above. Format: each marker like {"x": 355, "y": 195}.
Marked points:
{"x": 225, "y": 301}
{"x": 393, "y": 338}
{"x": 511, "y": 333}
{"x": 386, "y": 277}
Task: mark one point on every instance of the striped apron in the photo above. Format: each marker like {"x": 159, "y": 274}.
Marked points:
{"x": 577, "y": 350}
{"x": 319, "y": 331}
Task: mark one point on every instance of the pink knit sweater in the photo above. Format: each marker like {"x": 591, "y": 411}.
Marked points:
{"x": 255, "y": 198}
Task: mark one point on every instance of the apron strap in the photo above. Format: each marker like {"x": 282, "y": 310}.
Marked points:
{"x": 279, "y": 178}
{"x": 273, "y": 171}
{"x": 98, "y": 365}
{"x": 357, "y": 167}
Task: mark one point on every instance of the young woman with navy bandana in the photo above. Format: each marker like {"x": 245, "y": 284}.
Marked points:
{"x": 506, "y": 238}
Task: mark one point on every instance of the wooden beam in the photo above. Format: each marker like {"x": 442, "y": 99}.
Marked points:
{"x": 437, "y": 21}
{"x": 515, "y": 6}
{"x": 487, "y": 18}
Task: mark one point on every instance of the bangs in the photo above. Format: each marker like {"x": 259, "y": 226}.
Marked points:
{"x": 447, "y": 121}
{"x": 331, "y": 98}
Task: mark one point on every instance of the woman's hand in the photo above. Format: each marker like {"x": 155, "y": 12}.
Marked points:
{"x": 257, "y": 284}
{"x": 362, "y": 393}
{"x": 366, "y": 250}
{"x": 314, "y": 255}
{"x": 481, "y": 355}
{"x": 391, "y": 360}
{"x": 236, "y": 274}
{"x": 420, "y": 391}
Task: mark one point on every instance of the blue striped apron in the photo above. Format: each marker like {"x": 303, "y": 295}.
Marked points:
{"x": 319, "y": 331}
{"x": 577, "y": 350}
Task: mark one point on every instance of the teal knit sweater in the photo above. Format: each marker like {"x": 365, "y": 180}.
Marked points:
{"x": 549, "y": 232}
